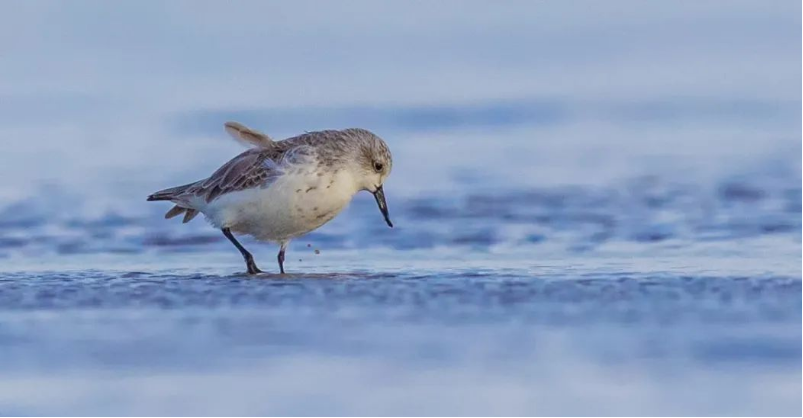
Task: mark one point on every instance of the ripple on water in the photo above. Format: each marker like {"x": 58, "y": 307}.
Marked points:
{"x": 645, "y": 210}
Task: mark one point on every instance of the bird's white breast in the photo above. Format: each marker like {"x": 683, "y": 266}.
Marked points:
{"x": 299, "y": 201}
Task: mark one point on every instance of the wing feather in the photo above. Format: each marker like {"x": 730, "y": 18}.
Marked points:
{"x": 191, "y": 213}
{"x": 175, "y": 211}
{"x": 253, "y": 168}
{"x": 247, "y": 136}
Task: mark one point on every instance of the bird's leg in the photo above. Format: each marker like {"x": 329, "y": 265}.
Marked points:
{"x": 249, "y": 259}
{"x": 283, "y": 246}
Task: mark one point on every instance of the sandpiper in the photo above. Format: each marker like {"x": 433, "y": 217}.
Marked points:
{"x": 280, "y": 190}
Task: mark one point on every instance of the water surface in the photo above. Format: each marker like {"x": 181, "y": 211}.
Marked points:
{"x": 597, "y": 210}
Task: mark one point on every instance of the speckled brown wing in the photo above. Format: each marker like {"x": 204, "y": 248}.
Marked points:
{"x": 253, "y": 168}
{"x": 257, "y": 167}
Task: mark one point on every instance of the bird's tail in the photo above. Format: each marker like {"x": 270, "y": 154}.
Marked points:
{"x": 171, "y": 194}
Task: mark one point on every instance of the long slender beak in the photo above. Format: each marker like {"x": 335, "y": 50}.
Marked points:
{"x": 379, "y": 195}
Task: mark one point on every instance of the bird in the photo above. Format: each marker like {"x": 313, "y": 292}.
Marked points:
{"x": 277, "y": 191}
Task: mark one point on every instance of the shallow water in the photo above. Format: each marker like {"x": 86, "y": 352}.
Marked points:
{"x": 596, "y": 216}
{"x": 413, "y": 332}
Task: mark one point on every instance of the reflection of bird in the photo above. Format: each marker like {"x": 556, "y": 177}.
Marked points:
{"x": 280, "y": 190}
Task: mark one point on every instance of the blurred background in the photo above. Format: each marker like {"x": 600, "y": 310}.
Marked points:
{"x": 598, "y": 208}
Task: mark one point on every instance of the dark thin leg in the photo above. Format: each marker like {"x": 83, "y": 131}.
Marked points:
{"x": 281, "y": 259}
{"x": 249, "y": 259}
{"x": 282, "y": 247}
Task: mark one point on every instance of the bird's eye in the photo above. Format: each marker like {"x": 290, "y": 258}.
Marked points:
{"x": 378, "y": 166}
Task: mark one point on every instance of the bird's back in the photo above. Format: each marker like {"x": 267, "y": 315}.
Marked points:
{"x": 249, "y": 169}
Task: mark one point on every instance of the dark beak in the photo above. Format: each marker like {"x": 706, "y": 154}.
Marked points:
{"x": 379, "y": 195}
